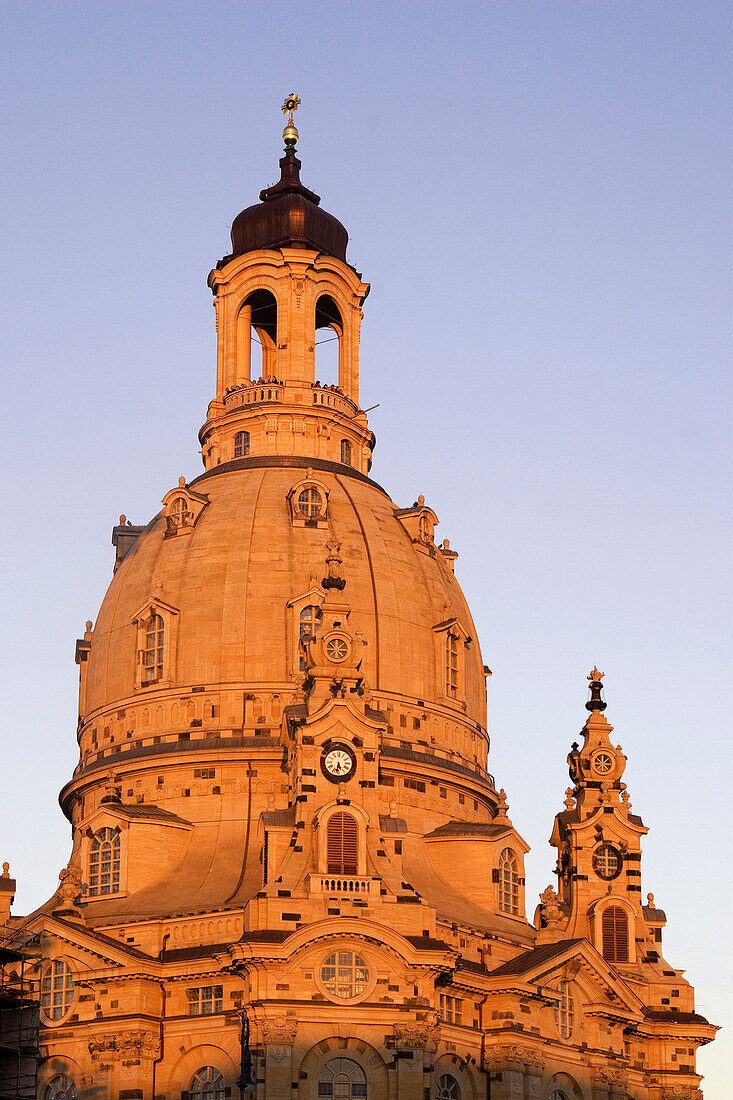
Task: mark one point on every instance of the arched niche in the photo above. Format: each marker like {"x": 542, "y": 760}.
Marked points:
{"x": 329, "y": 342}
{"x": 256, "y": 337}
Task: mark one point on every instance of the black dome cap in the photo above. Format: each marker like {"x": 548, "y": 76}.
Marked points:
{"x": 288, "y": 216}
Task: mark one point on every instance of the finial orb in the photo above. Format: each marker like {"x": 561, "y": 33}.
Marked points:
{"x": 88, "y": 624}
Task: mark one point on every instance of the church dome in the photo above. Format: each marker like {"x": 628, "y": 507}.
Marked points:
{"x": 288, "y": 216}
{"x": 235, "y": 586}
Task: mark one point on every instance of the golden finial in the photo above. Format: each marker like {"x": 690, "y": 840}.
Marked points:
{"x": 290, "y": 134}
{"x": 595, "y": 677}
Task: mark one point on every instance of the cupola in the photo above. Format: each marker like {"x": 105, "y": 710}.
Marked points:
{"x": 285, "y": 289}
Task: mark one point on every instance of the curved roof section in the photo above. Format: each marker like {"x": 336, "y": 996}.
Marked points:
{"x": 288, "y": 216}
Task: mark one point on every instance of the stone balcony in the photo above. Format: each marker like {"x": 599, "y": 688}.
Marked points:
{"x": 352, "y": 886}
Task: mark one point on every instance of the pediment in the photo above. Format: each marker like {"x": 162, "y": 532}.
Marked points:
{"x": 78, "y": 940}
{"x": 121, "y": 815}
{"x": 605, "y": 993}
{"x": 151, "y": 605}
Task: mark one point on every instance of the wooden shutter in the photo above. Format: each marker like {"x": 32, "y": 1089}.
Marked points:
{"x": 342, "y": 839}
{"x": 615, "y": 927}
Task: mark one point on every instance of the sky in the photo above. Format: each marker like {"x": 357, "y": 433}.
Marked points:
{"x": 539, "y": 195}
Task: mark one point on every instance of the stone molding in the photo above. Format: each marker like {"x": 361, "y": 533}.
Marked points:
{"x": 279, "y": 1030}
{"x": 415, "y": 1036}
{"x": 516, "y": 1056}
{"x": 125, "y": 1045}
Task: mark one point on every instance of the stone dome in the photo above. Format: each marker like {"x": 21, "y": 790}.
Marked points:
{"x": 232, "y": 581}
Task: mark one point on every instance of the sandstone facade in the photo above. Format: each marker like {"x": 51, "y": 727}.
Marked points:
{"x": 292, "y": 873}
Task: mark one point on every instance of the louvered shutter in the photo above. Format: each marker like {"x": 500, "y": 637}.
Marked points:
{"x": 342, "y": 844}
{"x": 615, "y": 928}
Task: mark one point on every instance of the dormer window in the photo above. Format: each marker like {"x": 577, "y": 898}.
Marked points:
{"x": 183, "y": 507}
{"x": 241, "y": 444}
{"x": 310, "y": 503}
{"x": 154, "y": 649}
{"x": 104, "y": 863}
{"x": 156, "y": 624}
{"x": 451, "y": 642}
{"x": 451, "y": 665}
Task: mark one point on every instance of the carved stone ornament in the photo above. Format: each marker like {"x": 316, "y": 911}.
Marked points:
{"x": 551, "y": 910}
{"x": 415, "y": 1036}
{"x": 279, "y": 1030}
{"x": 69, "y": 889}
{"x": 609, "y": 1077}
{"x": 519, "y": 1057}
{"x": 127, "y": 1045}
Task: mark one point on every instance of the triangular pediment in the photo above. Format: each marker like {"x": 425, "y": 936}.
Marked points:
{"x": 572, "y": 960}
{"x": 85, "y": 942}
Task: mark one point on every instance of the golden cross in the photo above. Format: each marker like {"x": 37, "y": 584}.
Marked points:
{"x": 291, "y": 104}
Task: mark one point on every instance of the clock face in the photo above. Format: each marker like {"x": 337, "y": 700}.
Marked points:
{"x": 338, "y": 763}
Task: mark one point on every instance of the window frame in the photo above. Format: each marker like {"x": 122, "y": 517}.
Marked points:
{"x": 563, "y": 1010}
{"x": 509, "y": 889}
{"x": 96, "y": 847}
{"x": 332, "y": 986}
{"x": 195, "y": 999}
{"x": 68, "y": 989}
{"x": 242, "y": 449}
{"x": 65, "y": 1092}
{"x": 616, "y": 937}
{"x": 198, "y": 1082}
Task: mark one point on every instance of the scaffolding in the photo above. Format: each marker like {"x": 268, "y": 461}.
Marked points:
{"x": 19, "y": 1027}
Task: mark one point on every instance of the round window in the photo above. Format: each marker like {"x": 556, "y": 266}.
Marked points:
{"x": 602, "y": 763}
{"x": 607, "y": 861}
{"x": 310, "y": 503}
{"x": 345, "y": 975}
{"x": 57, "y": 990}
{"x": 337, "y": 650}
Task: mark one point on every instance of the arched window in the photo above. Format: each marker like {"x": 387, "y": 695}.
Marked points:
{"x": 179, "y": 511}
{"x": 57, "y": 991}
{"x": 345, "y": 452}
{"x": 564, "y": 1011}
{"x": 342, "y": 1078}
{"x": 60, "y": 1088}
{"x": 508, "y": 882}
{"x": 241, "y": 444}
{"x": 310, "y": 502}
{"x": 446, "y": 1088}
{"x": 207, "y": 1084}
{"x": 329, "y": 330}
{"x": 310, "y": 624}
{"x": 451, "y": 665}
{"x": 615, "y": 934}
{"x": 104, "y": 863}
{"x": 342, "y": 844}
{"x": 256, "y": 337}
{"x": 153, "y": 651}
{"x": 557, "y": 1095}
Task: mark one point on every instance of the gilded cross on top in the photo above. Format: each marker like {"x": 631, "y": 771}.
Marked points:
{"x": 291, "y": 104}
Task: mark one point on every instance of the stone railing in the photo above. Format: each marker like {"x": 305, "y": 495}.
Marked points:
{"x": 255, "y": 393}
{"x": 344, "y": 885}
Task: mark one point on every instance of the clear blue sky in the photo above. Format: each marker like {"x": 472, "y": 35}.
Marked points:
{"x": 539, "y": 195}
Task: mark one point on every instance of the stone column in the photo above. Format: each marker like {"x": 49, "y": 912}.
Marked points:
{"x": 519, "y": 1067}
{"x": 278, "y": 1036}
{"x": 413, "y": 1044}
